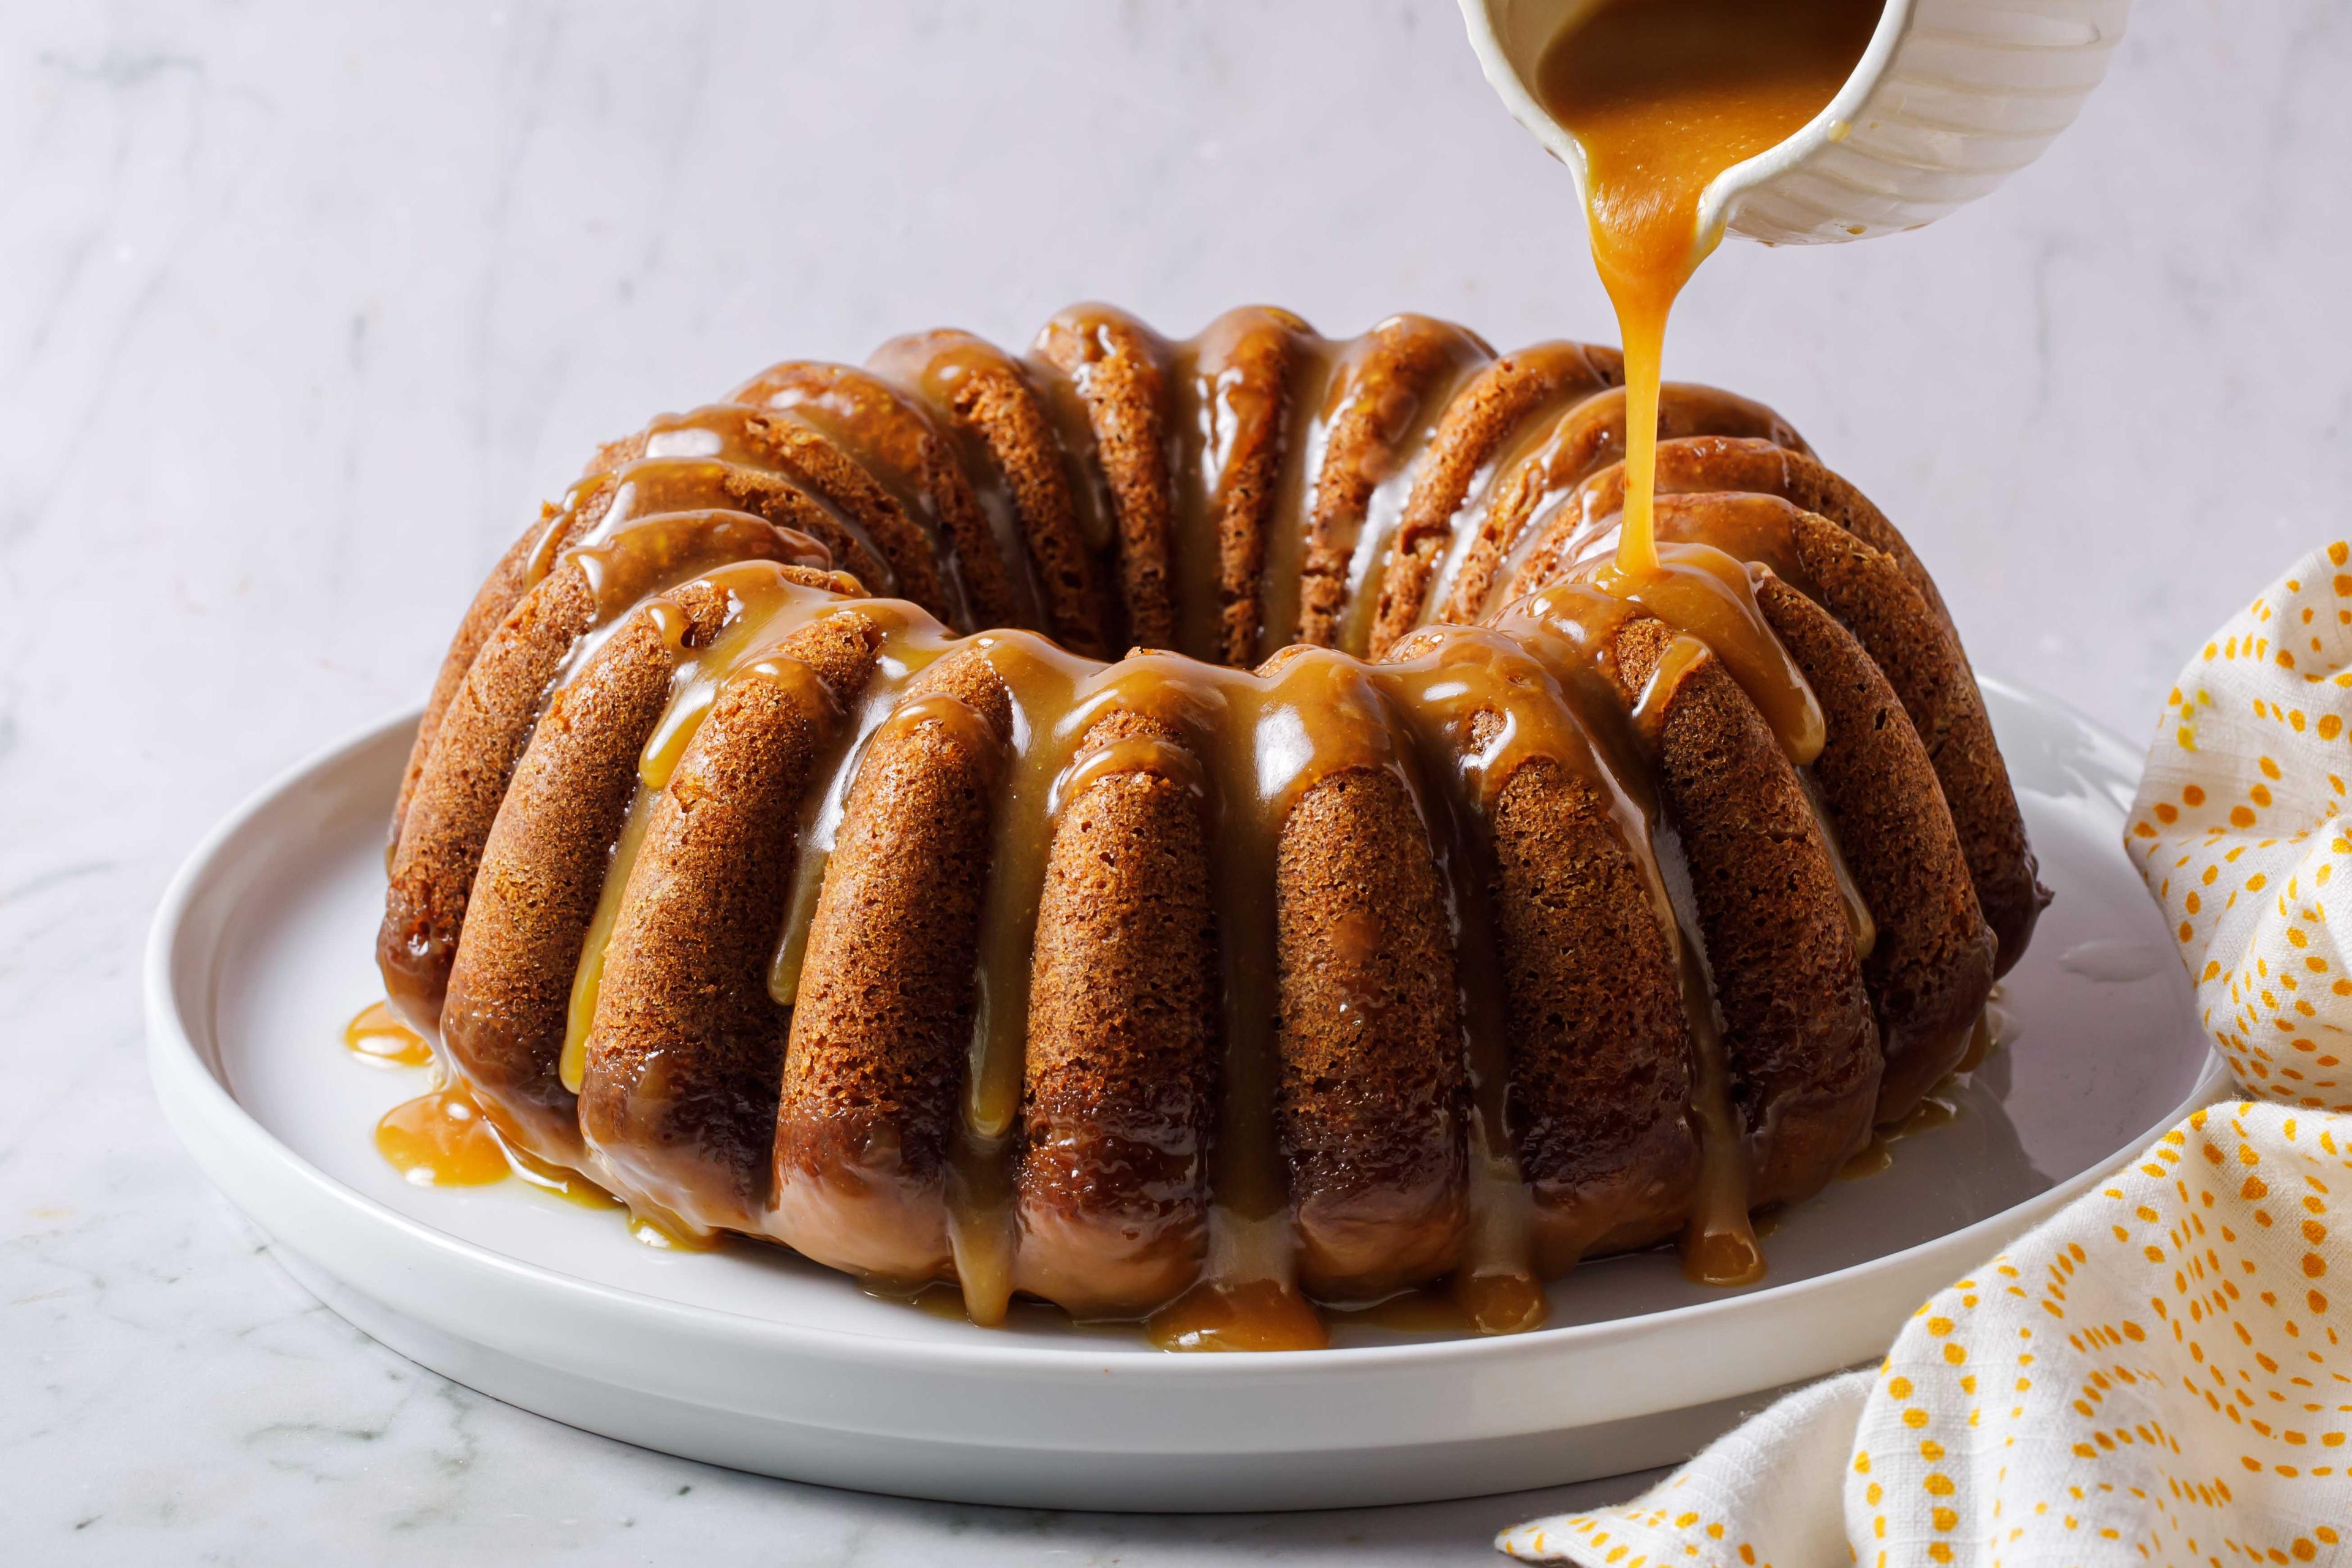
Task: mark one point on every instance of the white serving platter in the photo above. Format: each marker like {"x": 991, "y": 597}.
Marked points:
{"x": 751, "y": 1358}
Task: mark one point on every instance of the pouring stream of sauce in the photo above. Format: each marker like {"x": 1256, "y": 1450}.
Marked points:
{"x": 1663, "y": 96}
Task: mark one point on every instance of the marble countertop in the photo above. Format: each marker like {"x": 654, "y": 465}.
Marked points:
{"x": 305, "y": 307}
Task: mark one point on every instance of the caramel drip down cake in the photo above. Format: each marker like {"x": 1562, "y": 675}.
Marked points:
{"x": 1204, "y": 827}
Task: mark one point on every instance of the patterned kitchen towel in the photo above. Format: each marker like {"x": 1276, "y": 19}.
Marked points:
{"x": 2158, "y": 1373}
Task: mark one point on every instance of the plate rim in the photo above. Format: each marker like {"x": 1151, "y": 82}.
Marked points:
{"x": 189, "y": 1086}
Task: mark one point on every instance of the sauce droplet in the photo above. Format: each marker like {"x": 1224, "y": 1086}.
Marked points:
{"x": 664, "y": 1234}
{"x": 1994, "y": 1029}
{"x": 1253, "y": 1315}
{"x": 1725, "y": 1257}
{"x": 376, "y": 1036}
{"x": 1935, "y": 1110}
{"x": 1501, "y": 1303}
{"x": 442, "y": 1139}
{"x": 556, "y": 1181}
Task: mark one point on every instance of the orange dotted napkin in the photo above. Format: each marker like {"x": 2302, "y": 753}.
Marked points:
{"x": 2236, "y": 830}
{"x": 2159, "y": 1374}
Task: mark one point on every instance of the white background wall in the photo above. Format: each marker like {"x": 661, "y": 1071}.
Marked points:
{"x": 304, "y": 307}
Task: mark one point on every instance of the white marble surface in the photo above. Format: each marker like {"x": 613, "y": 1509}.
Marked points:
{"x": 302, "y": 308}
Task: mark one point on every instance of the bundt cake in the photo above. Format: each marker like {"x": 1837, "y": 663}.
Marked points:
{"x": 1421, "y": 898}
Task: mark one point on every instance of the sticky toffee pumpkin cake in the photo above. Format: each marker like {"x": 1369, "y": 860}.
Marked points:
{"x": 1423, "y": 897}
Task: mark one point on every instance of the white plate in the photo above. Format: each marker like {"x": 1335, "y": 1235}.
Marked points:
{"x": 751, "y": 1358}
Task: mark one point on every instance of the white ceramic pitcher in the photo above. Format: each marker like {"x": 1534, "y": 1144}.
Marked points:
{"x": 1951, "y": 97}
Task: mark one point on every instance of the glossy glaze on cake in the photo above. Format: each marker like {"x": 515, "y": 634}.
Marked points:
{"x": 1421, "y": 898}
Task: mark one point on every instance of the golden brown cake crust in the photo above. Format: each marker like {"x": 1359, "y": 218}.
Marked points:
{"x": 1923, "y": 663}
{"x": 880, "y": 428}
{"x": 1248, "y": 357}
{"x": 1385, "y": 397}
{"x": 543, "y": 869}
{"x": 1370, "y": 1102}
{"x": 1797, "y": 1028}
{"x": 1930, "y": 968}
{"x": 831, "y": 473}
{"x": 685, "y": 1059}
{"x": 1120, "y": 369}
{"x": 1600, "y": 1074}
{"x": 1122, "y": 1058}
{"x": 489, "y": 721}
{"x": 881, "y": 1029}
{"x": 982, "y": 389}
{"x": 1480, "y": 419}
{"x": 1912, "y": 645}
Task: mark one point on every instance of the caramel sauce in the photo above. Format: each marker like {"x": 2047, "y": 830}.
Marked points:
{"x": 1933, "y": 1111}
{"x": 1868, "y": 1161}
{"x": 666, "y": 1233}
{"x": 442, "y": 1139}
{"x": 1393, "y": 427}
{"x": 377, "y": 1035}
{"x": 1222, "y": 410}
{"x": 905, "y": 651}
{"x": 1465, "y": 675}
{"x": 1994, "y": 1029}
{"x": 757, "y": 595}
{"x": 1254, "y": 1315}
{"x": 589, "y": 978}
{"x": 1043, "y": 681}
{"x": 1718, "y": 1242}
{"x": 932, "y": 369}
{"x": 1508, "y": 1302}
{"x": 1321, "y": 714}
{"x": 1307, "y": 431}
{"x": 559, "y": 1182}
{"x": 1709, "y": 598}
{"x": 1663, "y": 96}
